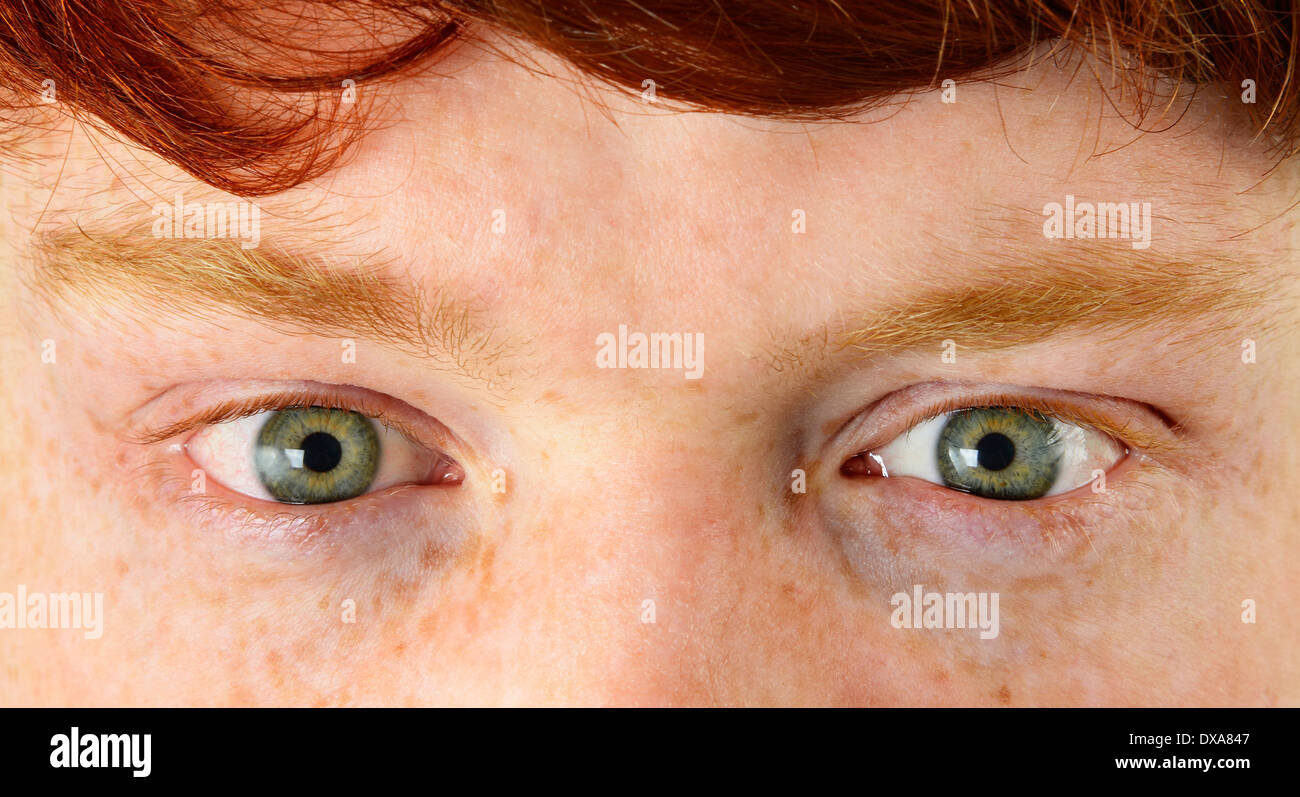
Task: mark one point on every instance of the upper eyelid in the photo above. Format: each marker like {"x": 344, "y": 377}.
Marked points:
{"x": 338, "y": 397}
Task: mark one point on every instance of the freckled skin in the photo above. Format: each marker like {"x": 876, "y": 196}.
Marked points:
{"x": 635, "y": 489}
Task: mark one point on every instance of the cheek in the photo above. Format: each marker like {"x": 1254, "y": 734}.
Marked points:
{"x": 63, "y": 529}
{"x": 1074, "y": 620}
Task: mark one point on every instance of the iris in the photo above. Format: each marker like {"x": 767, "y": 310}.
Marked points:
{"x": 1000, "y": 452}
{"x": 315, "y": 455}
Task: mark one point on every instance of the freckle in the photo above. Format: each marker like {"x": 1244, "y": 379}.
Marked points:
{"x": 399, "y": 648}
{"x": 1004, "y": 695}
{"x": 122, "y": 567}
{"x": 324, "y": 602}
{"x": 273, "y": 664}
{"x": 551, "y": 397}
{"x": 1260, "y": 465}
{"x": 432, "y": 556}
{"x": 746, "y": 418}
{"x": 941, "y": 676}
{"x": 403, "y": 588}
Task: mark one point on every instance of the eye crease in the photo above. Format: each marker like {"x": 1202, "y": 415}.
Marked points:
{"x": 1002, "y": 453}
{"x": 314, "y": 455}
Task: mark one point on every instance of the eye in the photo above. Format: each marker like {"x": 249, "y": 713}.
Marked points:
{"x": 314, "y": 455}
{"x": 1003, "y": 453}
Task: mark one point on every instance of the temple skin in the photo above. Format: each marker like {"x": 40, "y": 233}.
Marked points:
{"x": 643, "y": 545}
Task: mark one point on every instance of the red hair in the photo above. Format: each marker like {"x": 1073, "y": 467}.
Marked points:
{"x": 221, "y": 90}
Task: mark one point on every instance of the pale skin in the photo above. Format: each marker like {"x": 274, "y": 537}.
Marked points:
{"x": 647, "y": 547}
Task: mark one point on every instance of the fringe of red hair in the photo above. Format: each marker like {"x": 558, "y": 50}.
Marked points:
{"x": 245, "y": 95}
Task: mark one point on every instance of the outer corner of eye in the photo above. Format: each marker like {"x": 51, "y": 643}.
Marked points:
{"x": 1003, "y": 453}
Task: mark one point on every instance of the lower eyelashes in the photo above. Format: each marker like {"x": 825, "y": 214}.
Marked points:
{"x": 891, "y": 526}
{"x": 400, "y": 522}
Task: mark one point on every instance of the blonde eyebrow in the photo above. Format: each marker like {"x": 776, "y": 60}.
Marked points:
{"x": 1005, "y": 307}
{"x": 998, "y": 303}
{"x": 201, "y": 278}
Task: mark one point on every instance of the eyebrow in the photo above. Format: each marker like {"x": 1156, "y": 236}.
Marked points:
{"x": 200, "y": 278}
{"x": 1001, "y": 302}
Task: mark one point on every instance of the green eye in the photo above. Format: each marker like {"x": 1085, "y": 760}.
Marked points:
{"x": 999, "y": 452}
{"x": 315, "y": 455}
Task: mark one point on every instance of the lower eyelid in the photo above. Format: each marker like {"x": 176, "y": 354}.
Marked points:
{"x": 381, "y": 520}
{"x": 914, "y": 524}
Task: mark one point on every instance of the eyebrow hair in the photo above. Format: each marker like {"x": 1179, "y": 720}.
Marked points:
{"x": 200, "y": 278}
{"x": 1008, "y": 302}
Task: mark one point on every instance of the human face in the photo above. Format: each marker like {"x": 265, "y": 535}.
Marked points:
{"x": 553, "y": 531}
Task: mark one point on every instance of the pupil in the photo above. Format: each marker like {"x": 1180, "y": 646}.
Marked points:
{"x": 995, "y": 451}
{"x": 321, "y": 451}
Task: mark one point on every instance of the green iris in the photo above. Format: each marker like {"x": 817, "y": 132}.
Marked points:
{"x": 999, "y": 452}
{"x": 314, "y": 455}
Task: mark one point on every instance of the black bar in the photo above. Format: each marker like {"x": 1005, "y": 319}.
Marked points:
{"x": 431, "y": 746}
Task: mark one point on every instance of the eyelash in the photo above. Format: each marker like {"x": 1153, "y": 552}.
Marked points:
{"x": 234, "y": 409}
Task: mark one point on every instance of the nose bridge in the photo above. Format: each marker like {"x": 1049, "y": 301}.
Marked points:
{"x": 643, "y": 503}
{"x": 644, "y": 547}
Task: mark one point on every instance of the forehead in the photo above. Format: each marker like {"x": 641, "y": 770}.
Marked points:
{"x": 489, "y": 174}
{"x": 581, "y": 180}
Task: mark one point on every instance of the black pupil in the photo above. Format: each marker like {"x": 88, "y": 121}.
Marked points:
{"x": 995, "y": 451}
{"x": 321, "y": 451}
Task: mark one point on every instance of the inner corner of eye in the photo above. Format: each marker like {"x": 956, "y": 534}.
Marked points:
{"x": 863, "y": 464}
